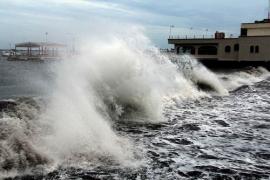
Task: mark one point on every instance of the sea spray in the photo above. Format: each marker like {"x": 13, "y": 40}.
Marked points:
{"x": 120, "y": 79}
{"x": 131, "y": 77}
{"x": 235, "y": 78}
{"x": 193, "y": 70}
{"x": 19, "y": 137}
{"x": 109, "y": 81}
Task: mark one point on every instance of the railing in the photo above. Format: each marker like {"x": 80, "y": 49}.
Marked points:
{"x": 199, "y": 37}
{"x": 166, "y": 50}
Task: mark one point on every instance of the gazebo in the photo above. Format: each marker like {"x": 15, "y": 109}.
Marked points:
{"x": 37, "y": 50}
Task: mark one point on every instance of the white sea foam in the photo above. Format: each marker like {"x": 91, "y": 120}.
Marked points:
{"x": 113, "y": 80}
{"x": 119, "y": 78}
{"x": 237, "y": 78}
{"x": 199, "y": 74}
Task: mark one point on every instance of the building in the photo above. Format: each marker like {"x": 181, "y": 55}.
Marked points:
{"x": 252, "y": 47}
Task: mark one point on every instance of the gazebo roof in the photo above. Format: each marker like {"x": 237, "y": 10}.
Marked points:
{"x": 39, "y": 44}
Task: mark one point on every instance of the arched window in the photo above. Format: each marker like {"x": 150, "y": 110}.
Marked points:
{"x": 257, "y": 49}
{"x": 251, "y": 49}
{"x": 228, "y": 49}
{"x": 207, "y": 50}
{"x": 236, "y": 47}
{"x": 188, "y": 50}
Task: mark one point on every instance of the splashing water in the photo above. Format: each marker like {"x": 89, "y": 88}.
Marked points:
{"x": 112, "y": 80}
{"x": 199, "y": 74}
{"x": 119, "y": 80}
{"x": 247, "y": 77}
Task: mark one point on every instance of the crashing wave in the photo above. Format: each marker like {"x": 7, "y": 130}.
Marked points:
{"x": 244, "y": 77}
{"x": 120, "y": 79}
{"x": 202, "y": 77}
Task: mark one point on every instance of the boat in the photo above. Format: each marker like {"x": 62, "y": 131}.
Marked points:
{"x": 7, "y": 53}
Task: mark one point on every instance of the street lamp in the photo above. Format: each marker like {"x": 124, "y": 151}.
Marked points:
{"x": 46, "y": 34}
{"x": 191, "y": 32}
{"x": 171, "y": 26}
{"x": 207, "y": 32}
{"x": 72, "y": 38}
{"x": 269, "y": 10}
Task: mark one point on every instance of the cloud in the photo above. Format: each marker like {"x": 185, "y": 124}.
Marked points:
{"x": 80, "y": 16}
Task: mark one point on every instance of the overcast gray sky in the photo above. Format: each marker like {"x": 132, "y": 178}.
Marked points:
{"x": 28, "y": 20}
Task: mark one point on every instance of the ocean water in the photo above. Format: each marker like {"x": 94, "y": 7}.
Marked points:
{"x": 132, "y": 113}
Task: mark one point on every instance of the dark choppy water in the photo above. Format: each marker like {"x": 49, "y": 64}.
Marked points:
{"x": 215, "y": 137}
